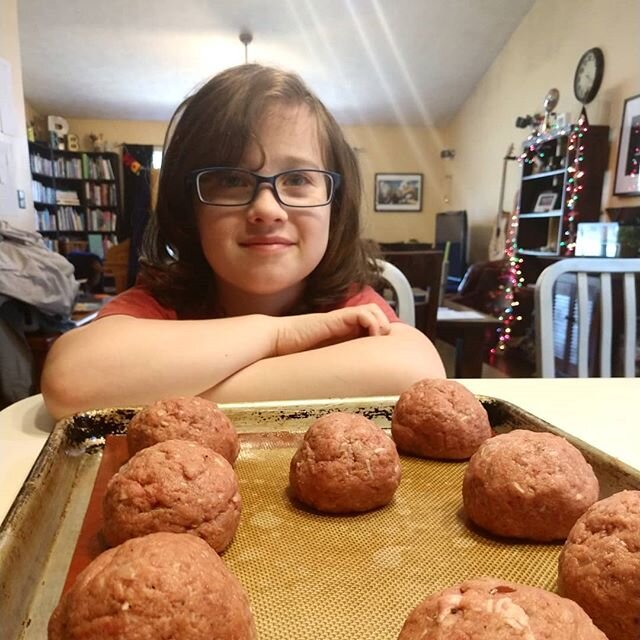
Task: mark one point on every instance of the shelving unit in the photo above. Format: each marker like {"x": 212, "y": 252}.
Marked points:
{"x": 76, "y": 197}
{"x": 548, "y": 169}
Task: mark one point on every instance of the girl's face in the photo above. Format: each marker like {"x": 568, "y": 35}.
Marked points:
{"x": 262, "y": 252}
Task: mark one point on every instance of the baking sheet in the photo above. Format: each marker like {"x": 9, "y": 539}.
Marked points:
{"x": 308, "y": 575}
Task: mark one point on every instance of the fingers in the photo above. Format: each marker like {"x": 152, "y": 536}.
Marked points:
{"x": 372, "y": 318}
{"x": 298, "y": 333}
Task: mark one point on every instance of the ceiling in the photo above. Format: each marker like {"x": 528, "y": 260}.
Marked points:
{"x": 370, "y": 61}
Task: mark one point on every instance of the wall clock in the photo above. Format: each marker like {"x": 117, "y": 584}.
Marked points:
{"x": 588, "y": 76}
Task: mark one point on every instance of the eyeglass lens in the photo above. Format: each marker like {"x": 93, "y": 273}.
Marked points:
{"x": 300, "y": 188}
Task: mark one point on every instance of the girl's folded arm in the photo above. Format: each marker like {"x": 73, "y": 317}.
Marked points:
{"x": 120, "y": 360}
{"x": 373, "y": 365}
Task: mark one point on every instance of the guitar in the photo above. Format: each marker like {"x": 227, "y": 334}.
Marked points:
{"x": 499, "y": 236}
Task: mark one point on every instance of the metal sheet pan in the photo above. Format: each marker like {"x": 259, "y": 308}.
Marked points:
{"x": 380, "y": 563}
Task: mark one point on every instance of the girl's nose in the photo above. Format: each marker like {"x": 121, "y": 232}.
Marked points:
{"x": 265, "y": 208}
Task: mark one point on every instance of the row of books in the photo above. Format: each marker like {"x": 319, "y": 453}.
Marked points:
{"x": 40, "y": 164}
{"x": 68, "y": 168}
{"x": 69, "y": 219}
{"x": 51, "y": 244}
{"x": 98, "y": 168}
{"x": 72, "y": 220}
{"x": 42, "y": 193}
{"x": 100, "y": 195}
{"x": 84, "y": 167}
{"x": 47, "y": 221}
{"x": 100, "y": 220}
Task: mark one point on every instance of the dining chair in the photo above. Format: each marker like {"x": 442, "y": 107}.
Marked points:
{"x": 402, "y": 290}
{"x": 591, "y": 328}
{"x": 423, "y": 270}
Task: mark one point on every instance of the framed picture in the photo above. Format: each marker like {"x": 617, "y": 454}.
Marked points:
{"x": 398, "y": 192}
{"x": 546, "y": 202}
{"x": 627, "y": 180}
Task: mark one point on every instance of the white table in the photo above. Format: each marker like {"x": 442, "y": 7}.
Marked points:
{"x": 603, "y": 412}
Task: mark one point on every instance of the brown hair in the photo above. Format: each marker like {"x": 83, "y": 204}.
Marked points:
{"x": 213, "y": 128}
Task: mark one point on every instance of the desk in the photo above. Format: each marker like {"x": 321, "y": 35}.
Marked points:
{"x": 465, "y": 328}
{"x": 600, "y": 411}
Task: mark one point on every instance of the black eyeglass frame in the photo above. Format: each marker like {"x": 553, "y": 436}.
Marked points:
{"x": 193, "y": 180}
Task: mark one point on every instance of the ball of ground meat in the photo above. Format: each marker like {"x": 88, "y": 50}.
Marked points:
{"x": 194, "y": 419}
{"x": 164, "y": 585}
{"x": 439, "y": 419}
{"x": 528, "y": 485}
{"x": 177, "y": 486}
{"x": 345, "y": 464}
{"x": 493, "y": 609}
{"x": 599, "y": 565}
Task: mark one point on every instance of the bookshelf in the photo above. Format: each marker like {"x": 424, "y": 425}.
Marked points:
{"x": 547, "y": 171}
{"x": 76, "y": 198}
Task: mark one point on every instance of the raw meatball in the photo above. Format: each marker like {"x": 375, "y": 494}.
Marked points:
{"x": 439, "y": 419}
{"x": 492, "y": 609}
{"x": 345, "y": 463}
{"x": 528, "y": 485}
{"x": 161, "y": 586}
{"x": 194, "y": 419}
{"x": 177, "y": 486}
{"x": 600, "y": 565}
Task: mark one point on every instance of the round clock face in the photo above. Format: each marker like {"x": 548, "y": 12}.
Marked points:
{"x": 588, "y": 77}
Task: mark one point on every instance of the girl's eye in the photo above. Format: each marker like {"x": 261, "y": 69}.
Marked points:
{"x": 233, "y": 180}
{"x": 298, "y": 179}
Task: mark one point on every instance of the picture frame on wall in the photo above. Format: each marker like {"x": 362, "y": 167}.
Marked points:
{"x": 627, "y": 178}
{"x": 398, "y": 192}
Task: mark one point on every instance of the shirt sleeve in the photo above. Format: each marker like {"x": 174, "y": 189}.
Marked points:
{"x": 138, "y": 303}
{"x": 366, "y": 296}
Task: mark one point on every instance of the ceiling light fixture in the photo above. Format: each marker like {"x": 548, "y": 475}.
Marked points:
{"x": 246, "y": 37}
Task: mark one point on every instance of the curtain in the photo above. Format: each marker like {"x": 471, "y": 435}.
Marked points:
{"x": 136, "y": 166}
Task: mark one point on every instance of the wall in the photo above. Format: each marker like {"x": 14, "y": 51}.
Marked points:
{"x": 380, "y": 149}
{"x": 116, "y": 132}
{"x": 10, "y": 51}
{"x": 542, "y": 53}
{"x": 390, "y": 149}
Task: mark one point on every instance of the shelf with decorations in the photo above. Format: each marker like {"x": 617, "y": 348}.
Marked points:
{"x": 76, "y": 197}
{"x": 562, "y": 175}
{"x": 561, "y": 185}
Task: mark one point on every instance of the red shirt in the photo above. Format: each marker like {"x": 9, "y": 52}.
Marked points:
{"x": 139, "y": 303}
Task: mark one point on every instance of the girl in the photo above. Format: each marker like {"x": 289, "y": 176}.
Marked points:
{"x": 257, "y": 284}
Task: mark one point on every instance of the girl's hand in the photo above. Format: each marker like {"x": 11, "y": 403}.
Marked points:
{"x": 313, "y": 330}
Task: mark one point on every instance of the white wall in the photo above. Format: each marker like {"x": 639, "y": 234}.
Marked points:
{"x": 10, "y": 51}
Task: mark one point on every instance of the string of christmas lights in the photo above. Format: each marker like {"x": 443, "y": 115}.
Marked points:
{"x": 574, "y": 187}
{"x": 510, "y": 281}
{"x": 511, "y": 278}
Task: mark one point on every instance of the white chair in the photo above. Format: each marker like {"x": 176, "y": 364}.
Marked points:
{"x": 402, "y": 289}
{"x": 545, "y": 302}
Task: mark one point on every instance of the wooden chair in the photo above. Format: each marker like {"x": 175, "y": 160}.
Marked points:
{"x": 559, "y": 313}
{"x": 423, "y": 270}
{"x": 116, "y": 265}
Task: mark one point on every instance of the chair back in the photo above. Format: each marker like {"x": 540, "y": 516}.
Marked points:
{"x": 402, "y": 289}
{"x": 423, "y": 270}
{"x": 617, "y": 314}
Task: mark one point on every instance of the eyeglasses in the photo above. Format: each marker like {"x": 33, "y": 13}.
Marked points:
{"x": 228, "y": 187}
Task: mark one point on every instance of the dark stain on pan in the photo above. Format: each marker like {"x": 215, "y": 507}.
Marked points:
{"x": 88, "y": 430}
